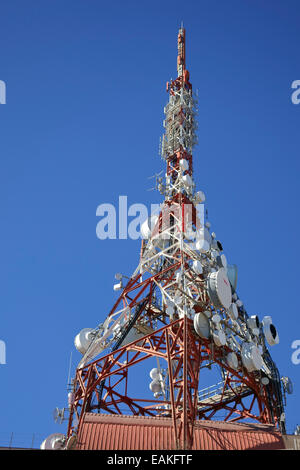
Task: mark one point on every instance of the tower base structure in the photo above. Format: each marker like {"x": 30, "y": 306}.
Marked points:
{"x": 111, "y": 432}
{"x": 102, "y": 391}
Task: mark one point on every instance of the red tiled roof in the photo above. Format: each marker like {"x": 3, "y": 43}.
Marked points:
{"x": 111, "y": 432}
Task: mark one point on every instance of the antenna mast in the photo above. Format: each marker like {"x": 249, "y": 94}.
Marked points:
{"x": 181, "y": 307}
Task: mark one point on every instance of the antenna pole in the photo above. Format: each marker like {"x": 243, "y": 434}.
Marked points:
{"x": 181, "y": 52}
{"x": 69, "y": 373}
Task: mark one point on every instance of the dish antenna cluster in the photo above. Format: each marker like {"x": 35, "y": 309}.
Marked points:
{"x": 180, "y": 307}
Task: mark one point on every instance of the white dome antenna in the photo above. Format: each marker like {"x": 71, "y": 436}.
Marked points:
{"x": 53, "y": 442}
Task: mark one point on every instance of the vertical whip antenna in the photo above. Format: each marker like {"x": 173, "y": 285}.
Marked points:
{"x": 181, "y": 52}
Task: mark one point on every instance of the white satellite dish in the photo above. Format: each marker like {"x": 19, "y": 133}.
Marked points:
{"x": 154, "y": 373}
{"x": 253, "y": 322}
{"x": 219, "y": 337}
{"x": 201, "y": 325}
{"x": 221, "y": 261}
{"x": 251, "y": 357}
{"x": 233, "y": 311}
{"x": 71, "y": 397}
{"x": 53, "y": 442}
{"x": 184, "y": 164}
{"x": 204, "y": 233}
{"x": 187, "y": 180}
{"x": 71, "y": 442}
{"x": 232, "y": 275}
{"x": 197, "y": 267}
{"x": 155, "y": 386}
{"x": 232, "y": 360}
{"x": 219, "y": 289}
{"x": 202, "y": 245}
{"x": 270, "y": 331}
{"x": 83, "y": 340}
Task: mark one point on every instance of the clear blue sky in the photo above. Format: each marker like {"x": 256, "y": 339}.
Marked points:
{"x": 85, "y": 95}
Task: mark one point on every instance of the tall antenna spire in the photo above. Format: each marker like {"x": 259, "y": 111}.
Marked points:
{"x": 180, "y": 129}
{"x": 181, "y": 52}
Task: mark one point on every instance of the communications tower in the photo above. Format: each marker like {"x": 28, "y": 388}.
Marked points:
{"x": 179, "y": 313}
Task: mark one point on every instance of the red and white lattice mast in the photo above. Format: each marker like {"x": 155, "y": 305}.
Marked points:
{"x": 179, "y": 312}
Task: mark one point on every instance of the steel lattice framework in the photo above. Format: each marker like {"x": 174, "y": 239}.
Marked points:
{"x": 159, "y": 304}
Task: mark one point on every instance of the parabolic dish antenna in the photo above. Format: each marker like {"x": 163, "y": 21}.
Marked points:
{"x": 219, "y": 289}
{"x": 232, "y": 273}
{"x": 203, "y": 240}
{"x": 251, "y": 357}
{"x": 83, "y": 340}
{"x": 201, "y": 325}
{"x": 53, "y": 442}
{"x": 219, "y": 337}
